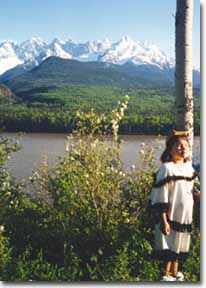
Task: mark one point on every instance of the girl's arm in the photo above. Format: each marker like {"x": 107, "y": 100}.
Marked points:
{"x": 164, "y": 225}
{"x": 196, "y": 191}
{"x": 196, "y": 198}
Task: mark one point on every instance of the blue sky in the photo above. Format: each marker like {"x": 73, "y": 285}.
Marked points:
{"x": 83, "y": 20}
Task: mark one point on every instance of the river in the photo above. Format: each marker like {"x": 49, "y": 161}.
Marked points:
{"x": 36, "y": 145}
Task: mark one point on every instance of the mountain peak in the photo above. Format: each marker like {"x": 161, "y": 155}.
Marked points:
{"x": 58, "y": 41}
{"x": 34, "y": 41}
{"x": 126, "y": 38}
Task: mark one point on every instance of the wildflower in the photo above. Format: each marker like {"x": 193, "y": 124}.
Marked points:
{"x": 94, "y": 144}
{"x": 67, "y": 148}
{"x": 36, "y": 174}
{"x": 124, "y": 105}
{"x": 127, "y": 220}
{"x": 122, "y": 111}
{"x": 98, "y": 120}
{"x": 121, "y": 174}
{"x": 127, "y": 97}
{"x": 1, "y": 228}
{"x": 133, "y": 167}
{"x": 118, "y": 116}
{"x": 142, "y": 152}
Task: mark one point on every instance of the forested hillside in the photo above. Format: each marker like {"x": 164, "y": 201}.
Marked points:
{"x": 47, "y": 98}
{"x": 52, "y": 107}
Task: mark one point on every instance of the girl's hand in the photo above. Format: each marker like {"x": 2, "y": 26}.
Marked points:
{"x": 165, "y": 228}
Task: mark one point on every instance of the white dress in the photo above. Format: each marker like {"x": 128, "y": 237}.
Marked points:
{"x": 172, "y": 193}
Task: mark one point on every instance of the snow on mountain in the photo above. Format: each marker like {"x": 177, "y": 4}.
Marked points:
{"x": 139, "y": 53}
{"x": 32, "y": 52}
{"x": 120, "y": 52}
{"x": 151, "y": 54}
{"x": 8, "y": 56}
{"x": 29, "y": 51}
{"x": 56, "y": 48}
{"x": 89, "y": 51}
{"x": 94, "y": 50}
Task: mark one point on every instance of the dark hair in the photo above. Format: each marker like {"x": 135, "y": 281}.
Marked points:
{"x": 166, "y": 155}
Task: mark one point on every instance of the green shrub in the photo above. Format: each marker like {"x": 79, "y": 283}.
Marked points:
{"x": 88, "y": 219}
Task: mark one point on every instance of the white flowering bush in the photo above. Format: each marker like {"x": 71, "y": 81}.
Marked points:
{"x": 8, "y": 201}
{"x": 90, "y": 208}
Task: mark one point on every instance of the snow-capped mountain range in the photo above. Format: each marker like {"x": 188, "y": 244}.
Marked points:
{"x": 34, "y": 51}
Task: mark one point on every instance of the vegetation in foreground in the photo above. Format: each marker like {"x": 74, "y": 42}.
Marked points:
{"x": 88, "y": 219}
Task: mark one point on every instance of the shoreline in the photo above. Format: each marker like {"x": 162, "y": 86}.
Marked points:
{"x": 69, "y": 133}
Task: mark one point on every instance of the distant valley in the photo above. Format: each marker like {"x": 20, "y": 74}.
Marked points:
{"x": 43, "y": 86}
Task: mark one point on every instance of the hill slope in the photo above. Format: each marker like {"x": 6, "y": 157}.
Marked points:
{"x": 58, "y": 70}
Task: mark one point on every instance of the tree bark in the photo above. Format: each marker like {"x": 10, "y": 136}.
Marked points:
{"x": 183, "y": 72}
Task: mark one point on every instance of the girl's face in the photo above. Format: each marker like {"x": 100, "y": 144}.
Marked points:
{"x": 180, "y": 150}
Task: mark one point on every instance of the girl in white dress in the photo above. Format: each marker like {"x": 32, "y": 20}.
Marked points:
{"x": 172, "y": 205}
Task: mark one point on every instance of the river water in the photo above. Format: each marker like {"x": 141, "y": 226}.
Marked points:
{"x": 36, "y": 145}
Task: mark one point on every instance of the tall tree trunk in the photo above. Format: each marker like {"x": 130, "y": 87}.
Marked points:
{"x": 183, "y": 73}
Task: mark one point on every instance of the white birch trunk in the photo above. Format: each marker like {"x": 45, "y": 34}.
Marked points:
{"x": 183, "y": 73}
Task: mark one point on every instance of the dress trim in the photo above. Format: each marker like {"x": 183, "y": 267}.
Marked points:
{"x": 176, "y": 226}
{"x": 157, "y": 209}
{"x": 168, "y": 255}
{"x": 174, "y": 178}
